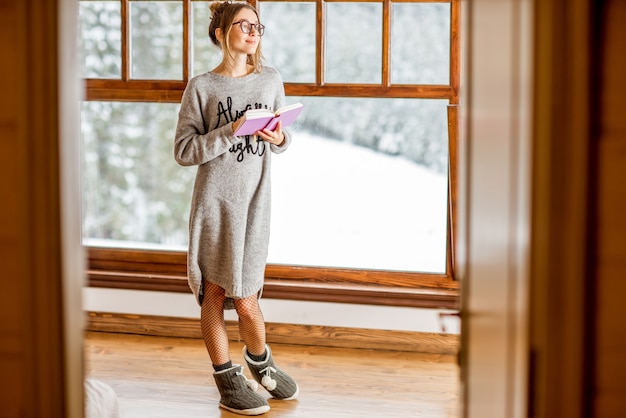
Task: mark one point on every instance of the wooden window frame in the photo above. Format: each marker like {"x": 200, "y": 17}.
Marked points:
{"x": 155, "y": 270}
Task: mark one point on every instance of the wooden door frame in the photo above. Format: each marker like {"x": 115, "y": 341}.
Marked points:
{"x": 560, "y": 320}
{"x": 494, "y": 206}
{"x": 547, "y": 372}
{"x": 42, "y": 260}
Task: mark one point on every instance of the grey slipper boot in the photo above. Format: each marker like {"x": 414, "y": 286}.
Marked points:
{"x": 278, "y": 383}
{"x": 236, "y": 394}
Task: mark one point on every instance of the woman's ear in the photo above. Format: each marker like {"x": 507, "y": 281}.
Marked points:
{"x": 218, "y": 34}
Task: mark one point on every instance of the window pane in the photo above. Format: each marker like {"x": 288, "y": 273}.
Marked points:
{"x": 100, "y": 39}
{"x": 206, "y": 56}
{"x": 364, "y": 190}
{"x": 420, "y": 46}
{"x": 156, "y": 33}
{"x": 354, "y": 43}
{"x": 134, "y": 193}
{"x": 289, "y": 39}
{"x": 363, "y": 185}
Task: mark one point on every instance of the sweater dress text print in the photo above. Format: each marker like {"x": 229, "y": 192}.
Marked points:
{"x": 229, "y": 222}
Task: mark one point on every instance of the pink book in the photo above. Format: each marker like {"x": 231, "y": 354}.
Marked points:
{"x": 258, "y": 119}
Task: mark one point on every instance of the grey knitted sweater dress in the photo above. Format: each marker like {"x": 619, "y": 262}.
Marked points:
{"x": 229, "y": 223}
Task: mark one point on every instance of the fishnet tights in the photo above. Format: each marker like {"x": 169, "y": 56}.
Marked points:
{"x": 251, "y": 324}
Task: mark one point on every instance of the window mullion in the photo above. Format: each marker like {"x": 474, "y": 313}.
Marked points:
{"x": 125, "y": 23}
{"x": 453, "y": 135}
{"x": 187, "y": 30}
{"x": 455, "y": 50}
{"x": 321, "y": 45}
{"x": 386, "y": 64}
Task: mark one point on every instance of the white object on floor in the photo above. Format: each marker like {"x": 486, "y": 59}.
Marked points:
{"x": 100, "y": 400}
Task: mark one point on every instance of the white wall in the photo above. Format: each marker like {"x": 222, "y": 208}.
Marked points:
{"x": 183, "y": 305}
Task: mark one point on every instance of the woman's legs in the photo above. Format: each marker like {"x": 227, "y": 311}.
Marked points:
{"x": 258, "y": 355}
{"x": 212, "y": 324}
{"x": 251, "y": 324}
{"x": 236, "y": 394}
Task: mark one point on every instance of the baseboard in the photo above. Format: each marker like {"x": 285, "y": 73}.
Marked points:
{"x": 295, "y": 334}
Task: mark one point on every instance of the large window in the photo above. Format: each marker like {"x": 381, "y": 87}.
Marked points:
{"x": 362, "y": 200}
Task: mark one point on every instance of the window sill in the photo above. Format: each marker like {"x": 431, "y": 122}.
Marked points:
{"x": 166, "y": 271}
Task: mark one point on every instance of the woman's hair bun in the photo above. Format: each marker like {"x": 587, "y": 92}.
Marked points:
{"x": 215, "y": 6}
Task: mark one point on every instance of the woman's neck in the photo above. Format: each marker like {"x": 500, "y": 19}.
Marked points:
{"x": 233, "y": 69}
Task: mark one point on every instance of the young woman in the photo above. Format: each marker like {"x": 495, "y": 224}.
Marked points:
{"x": 230, "y": 208}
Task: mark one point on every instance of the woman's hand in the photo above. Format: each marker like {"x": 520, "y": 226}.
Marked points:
{"x": 275, "y": 137}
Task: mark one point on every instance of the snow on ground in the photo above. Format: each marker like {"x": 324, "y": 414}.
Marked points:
{"x": 335, "y": 204}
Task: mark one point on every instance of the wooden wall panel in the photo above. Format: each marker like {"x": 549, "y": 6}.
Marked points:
{"x": 33, "y": 363}
{"x": 13, "y": 187}
{"x": 610, "y": 221}
{"x": 294, "y": 334}
{"x": 560, "y": 242}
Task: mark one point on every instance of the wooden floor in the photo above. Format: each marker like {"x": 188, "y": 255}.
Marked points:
{"x": 172, "y": 378}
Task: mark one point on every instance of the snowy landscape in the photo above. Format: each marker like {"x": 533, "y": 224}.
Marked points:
{"x": 335, "y": 204}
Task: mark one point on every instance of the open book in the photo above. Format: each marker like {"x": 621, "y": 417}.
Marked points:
{"x": 258, "y": 119}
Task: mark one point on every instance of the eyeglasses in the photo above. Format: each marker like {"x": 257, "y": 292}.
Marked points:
{"x": 246, "y": 27}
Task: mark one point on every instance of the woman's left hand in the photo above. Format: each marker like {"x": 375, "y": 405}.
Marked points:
{"x": 275, "y": 137}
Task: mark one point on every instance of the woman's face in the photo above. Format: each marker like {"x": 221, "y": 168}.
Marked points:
{"x": 240, "y": 42}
